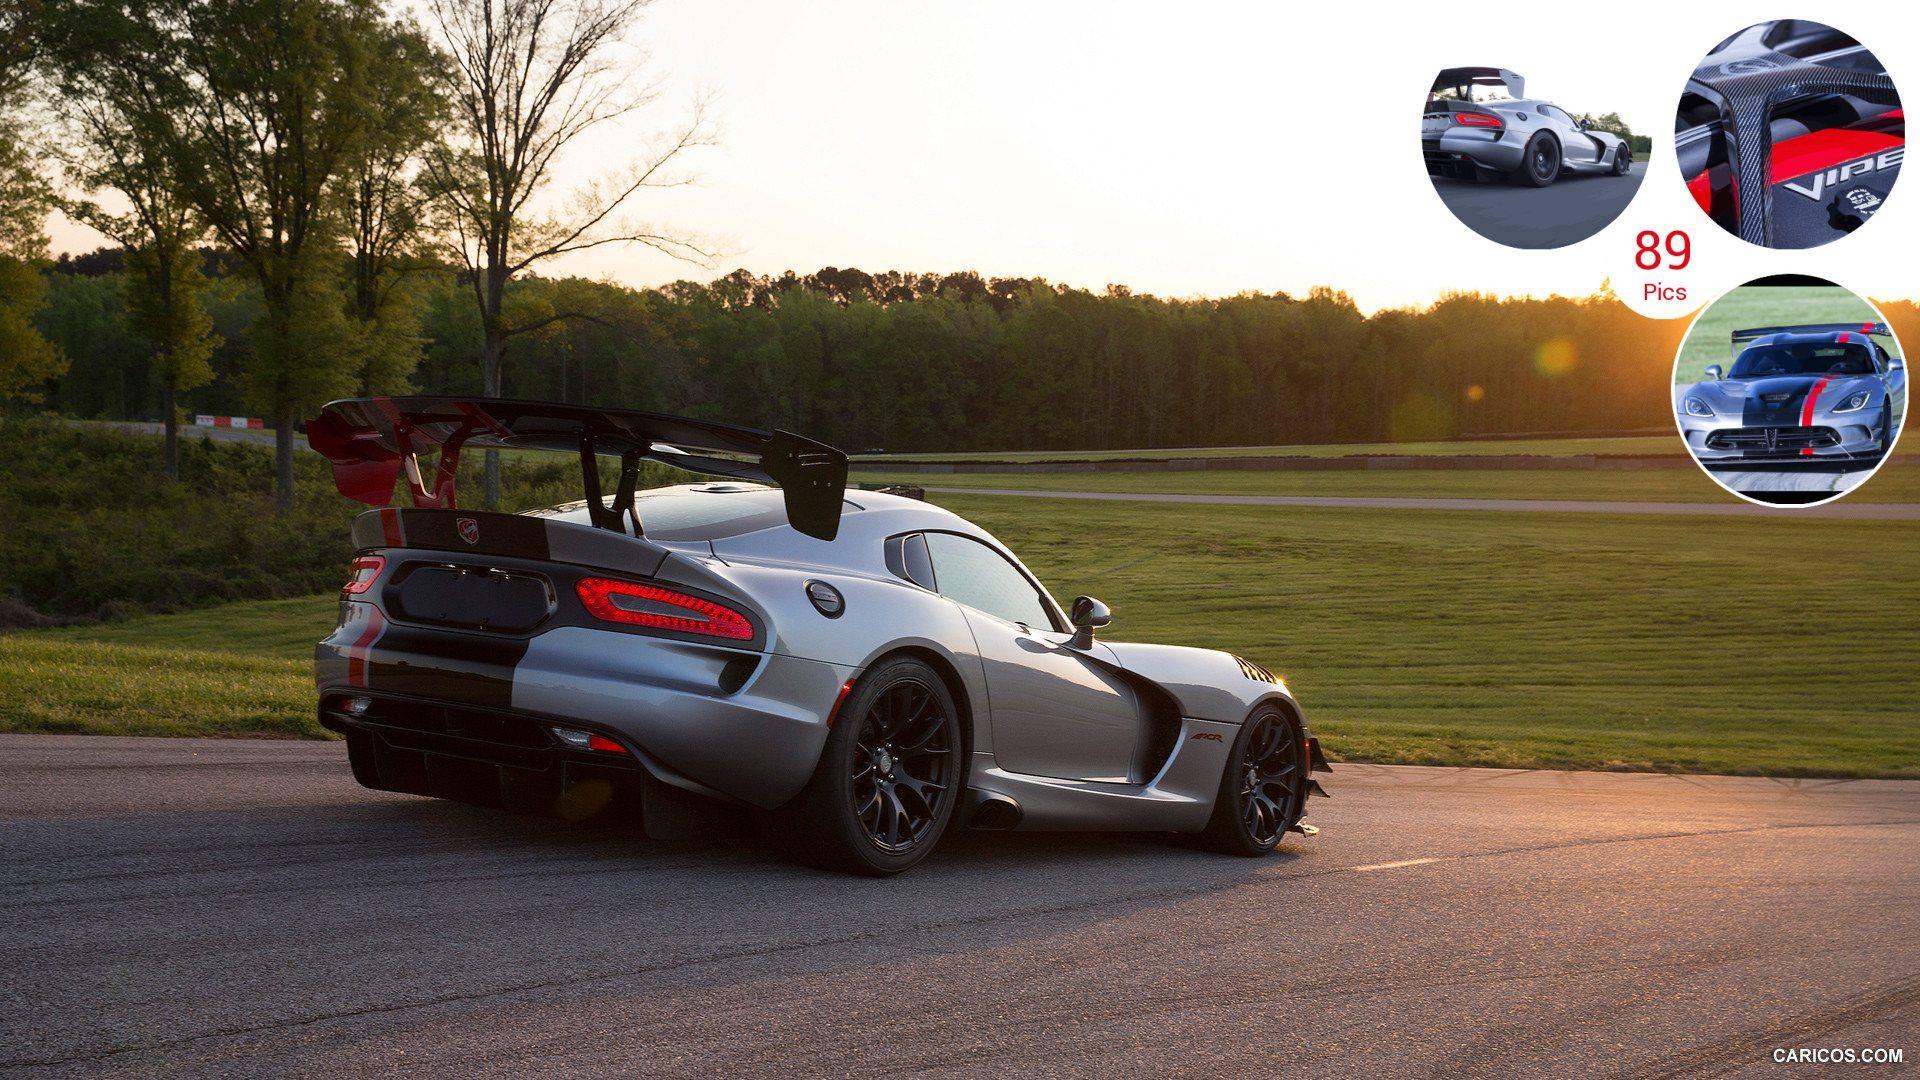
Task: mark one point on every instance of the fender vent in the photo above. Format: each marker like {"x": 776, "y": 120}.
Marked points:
{"x": 1255, "y": 672}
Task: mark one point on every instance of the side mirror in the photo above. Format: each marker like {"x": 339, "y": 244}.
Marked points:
{"x": 1714, "y": 373}
{"x": 1088, "y": 614}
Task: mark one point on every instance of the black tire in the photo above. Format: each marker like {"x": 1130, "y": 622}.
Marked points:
{"x": 1623, "y": 160}
{"x": 1541, "y": 164}
{"x": 1263, "y": 789}
{"x": 888, "y": 780}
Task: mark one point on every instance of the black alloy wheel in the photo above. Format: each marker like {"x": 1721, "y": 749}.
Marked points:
{"x": 1263, "y": 790}
{"x": 1271, "y": 770}
{"x": 1542, "y": 164}
{"x": 1623, "y": 161}
{"x": 902, "y": 777}
{"x": 889, "y": 779}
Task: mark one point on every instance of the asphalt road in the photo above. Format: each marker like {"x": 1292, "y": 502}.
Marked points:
{"x": 1854, "y": 511}
{"x": 239, "y": 907}
{"x": 1573, "y": 208}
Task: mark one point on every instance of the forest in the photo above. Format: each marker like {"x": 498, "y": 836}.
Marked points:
{"x": 917, "y": 362}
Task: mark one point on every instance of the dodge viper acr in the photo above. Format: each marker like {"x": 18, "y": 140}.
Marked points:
{"x": 1479, "y": 124}
{"x": 1816, "y": 394}
{"x": 1790, "y": 134}
{"x": 865, "y": 670}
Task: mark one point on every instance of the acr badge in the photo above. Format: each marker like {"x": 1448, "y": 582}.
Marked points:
{"x": 469, "y": 530}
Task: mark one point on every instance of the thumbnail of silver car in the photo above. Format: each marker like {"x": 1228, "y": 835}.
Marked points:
{"x": 1816, "y": 393}
{"x": 863, "y": 670}
{"x": 1480, "y": 125}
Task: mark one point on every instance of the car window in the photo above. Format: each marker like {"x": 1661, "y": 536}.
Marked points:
{"x": 1802, "y": 358}
{"x": 981, "y": 578}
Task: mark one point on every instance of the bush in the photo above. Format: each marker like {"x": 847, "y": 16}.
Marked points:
{"x": 91, "y": 528}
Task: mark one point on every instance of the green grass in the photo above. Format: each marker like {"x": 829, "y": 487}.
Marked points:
{"x": 1709, "y": 341}
{"x": 1537, "y": 640}
{"x": 1900, "y": 483}
{"x": 1556, "y": 641}
{"x": 1632, "y": 444}
{"x": 238, "y": 669}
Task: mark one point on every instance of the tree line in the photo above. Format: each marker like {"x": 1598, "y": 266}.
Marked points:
{"x": 917, "y": 362}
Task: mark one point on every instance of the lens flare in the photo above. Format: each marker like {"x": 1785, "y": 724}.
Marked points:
{"x": 1556, "y": 357}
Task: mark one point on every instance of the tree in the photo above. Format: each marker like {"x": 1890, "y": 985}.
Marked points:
{"x": 385, "y": 205}
{"x": 528, "y": 78}
{"x": 262, "y": 104}
{"x": 98, "y": 55}
{"x": 26, "y": 359}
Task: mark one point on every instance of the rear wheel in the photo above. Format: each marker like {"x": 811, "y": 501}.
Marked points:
{"x": 889, "y": 778}
{"x": 1541, "y": 165}
{"x": 1622, "y": 160}
{"x": 1264, "y": 789}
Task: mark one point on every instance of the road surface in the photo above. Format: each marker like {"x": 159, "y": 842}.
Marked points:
{"x": 1854, "y": 511}
{"x": 1572, "y": 209}
{"x": 240, "y": 907}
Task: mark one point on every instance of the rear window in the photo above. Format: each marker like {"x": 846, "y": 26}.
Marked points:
{"x": 711, "y": 513}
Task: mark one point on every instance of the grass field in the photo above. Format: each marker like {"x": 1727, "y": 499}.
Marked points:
{"x": 1709, "y": 342}
{"x": 244, "y": 668}
{"x": 1896, "y": 484}
{"x": 1631, "y": 444}
{"x": 1563, "y": 641}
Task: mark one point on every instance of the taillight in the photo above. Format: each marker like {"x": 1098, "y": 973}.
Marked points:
{"x": 635, "y": 604}
{"x": 360, "y": 577}
{"x": 1478, "y": 119}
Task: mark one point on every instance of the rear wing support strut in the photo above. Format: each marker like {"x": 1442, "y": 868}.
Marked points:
{"x": 598, "y": 512}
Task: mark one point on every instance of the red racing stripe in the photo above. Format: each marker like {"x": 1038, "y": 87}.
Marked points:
{"x": 358, "y": 652}
{"x": 1806, "y": 410}
{"x": 391, "y": 532}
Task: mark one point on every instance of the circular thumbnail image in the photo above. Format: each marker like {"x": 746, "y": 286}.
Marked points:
{"x": 1790, "y": 134}
{"x": 1528, "y": 172}
{"x": 1790, "y": 390}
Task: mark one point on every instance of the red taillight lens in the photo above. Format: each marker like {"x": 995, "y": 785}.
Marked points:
{"x": 662, "y": 609}
{"x": 1478, "y": 119}
{"x": 360, "y": 577}
{"x": 604, "y": 745}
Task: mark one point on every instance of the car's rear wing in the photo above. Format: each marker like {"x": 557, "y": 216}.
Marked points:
{"x": 370, "y": 441}
{"x": 1754, "y": 333}
{"x": 1461, "y": 80}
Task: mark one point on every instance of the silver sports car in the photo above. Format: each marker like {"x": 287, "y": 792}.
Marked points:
{"x": 1817, "y": 393}
{"x": 1480, "y": 125}
{"x": 868, "y": 670}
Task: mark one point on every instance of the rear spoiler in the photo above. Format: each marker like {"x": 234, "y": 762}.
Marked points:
{"x": 1462, "y": 77}
{"x": 1740, "y": 337}
{"x": 371, "y": 440}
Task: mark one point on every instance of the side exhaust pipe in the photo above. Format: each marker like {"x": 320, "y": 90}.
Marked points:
{"x": 990, "y": 811}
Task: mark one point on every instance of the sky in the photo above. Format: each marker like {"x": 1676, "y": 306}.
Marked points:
{"x": 1192, "y": 149}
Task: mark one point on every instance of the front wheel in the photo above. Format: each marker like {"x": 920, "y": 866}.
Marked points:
{"x": 1264, "y": 790}
{"x": 889, "y": 778}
